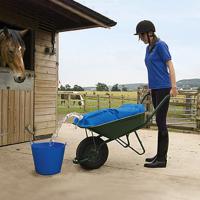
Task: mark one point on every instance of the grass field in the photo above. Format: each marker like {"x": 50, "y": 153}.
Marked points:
{"x": 91, "y": 98}
{"x": 178, "y": 113}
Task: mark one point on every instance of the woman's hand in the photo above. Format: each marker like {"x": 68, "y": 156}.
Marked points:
{"x": 173, "y": 92}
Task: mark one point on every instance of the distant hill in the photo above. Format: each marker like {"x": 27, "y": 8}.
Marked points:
{"x": 189, "y": 83}
{"x": 131, "y": 86}
{"x": 181, "y": 84}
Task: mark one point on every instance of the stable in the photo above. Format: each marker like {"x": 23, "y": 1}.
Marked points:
{"x": 31, "y": 105}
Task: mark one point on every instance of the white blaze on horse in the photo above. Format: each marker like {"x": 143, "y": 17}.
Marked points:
{"x": 12, "y": 50}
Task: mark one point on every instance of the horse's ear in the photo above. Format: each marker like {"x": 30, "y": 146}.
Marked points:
{"x": 23, "y": 32}
{"x": 6, "y": 31}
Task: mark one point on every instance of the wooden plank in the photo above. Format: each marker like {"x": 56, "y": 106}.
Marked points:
{"x": 42, "y": 98}
{"x": 43, "y": 36}
{"x": 16, "y": 117}
{"x": 43, "y": 39}
{"x": 51, "y": 66}
{"x": 27, "y": 112}
{"x": 48, "y": 124}
{"x": 40, "y": 90}
{"x": 5, "y": 117}
{"x": 44, "y": 118}
{"x": 11, "y": 101}
{"x": 46, "y": 104}
{"x": 45, "y": 111}
{"x": 43, "y": 42}
{"x": 31, "y": 113}
{"x": 45, "y": 131}
{"x": 41, "y": 48}
{"x": 15, "y": 18}
{"x": 48, "y": 77}
{"x": 21, "y": 116}
{"x": 46, "y": 57}
{"x": 44, "y": 62}
{"x": 45, "y": 83}
{"x": 1, "y": 136}
{"x": 45, "y": 70}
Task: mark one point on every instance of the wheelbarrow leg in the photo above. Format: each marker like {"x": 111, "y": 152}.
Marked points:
{"x": 127, "y": 144}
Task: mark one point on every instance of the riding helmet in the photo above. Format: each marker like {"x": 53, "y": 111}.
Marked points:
{"x": 145, "y": 26}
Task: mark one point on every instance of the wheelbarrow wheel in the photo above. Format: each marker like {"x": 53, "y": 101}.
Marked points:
{"x": 91, "y": 153}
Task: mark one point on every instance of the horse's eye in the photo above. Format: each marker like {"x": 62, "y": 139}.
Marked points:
{"x": 11, "y": 51}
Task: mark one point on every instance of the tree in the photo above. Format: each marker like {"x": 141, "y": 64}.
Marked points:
{"x": 67, "y": 87}
{"x": 61, "y": 88}
{"x": 124, "y": 88}
{"x": 115, "y": 88}
{"x": 102, "y": 87}
{"x": 77, "y": 88}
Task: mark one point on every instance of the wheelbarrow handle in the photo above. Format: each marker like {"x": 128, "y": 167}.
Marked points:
{"x": 144, "y": 97}
{"x": 154, "y": 112}
{"x": 157, "y": 108}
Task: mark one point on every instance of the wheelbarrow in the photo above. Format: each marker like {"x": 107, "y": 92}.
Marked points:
{"x": 92, "y": 152}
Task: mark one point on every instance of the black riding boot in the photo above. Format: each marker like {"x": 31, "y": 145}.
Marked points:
{"x": 155, "y": 157}
{"x": 161, "y": 159}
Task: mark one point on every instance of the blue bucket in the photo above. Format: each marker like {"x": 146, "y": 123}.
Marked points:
{"x": 48, "y": 157}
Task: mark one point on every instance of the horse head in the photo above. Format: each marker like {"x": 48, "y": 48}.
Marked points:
{"x": 12, "y": 50}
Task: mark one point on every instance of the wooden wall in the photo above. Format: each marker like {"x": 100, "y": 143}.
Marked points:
{"x": 16, "y": 113}
{"x": 45, "y": 98}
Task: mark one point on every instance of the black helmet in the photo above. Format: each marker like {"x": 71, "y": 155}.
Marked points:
{"x": 145, "y": 26}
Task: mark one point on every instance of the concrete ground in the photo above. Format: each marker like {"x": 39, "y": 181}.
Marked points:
{"x": 122, "y": 177}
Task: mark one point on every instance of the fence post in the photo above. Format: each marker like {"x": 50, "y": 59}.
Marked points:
{"x": 138, "y": 94}
{"x": 188, "y": 106}
{"x": 109, "y": 101}
{"x": 68, "y": 101}
{"x": 122, "y": 99}
{"x": 84, "y": 106}
{"x": 198, "y": 111}
{"x": 148, "y": 109}
{"x": 98, "y": 102}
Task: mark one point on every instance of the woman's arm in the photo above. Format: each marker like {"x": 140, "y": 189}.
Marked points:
{"x": 170, "y": 65}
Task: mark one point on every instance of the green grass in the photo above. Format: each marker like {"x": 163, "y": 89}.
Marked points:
{"x": 92, "y": 102}
{"x": 116, "y": 101}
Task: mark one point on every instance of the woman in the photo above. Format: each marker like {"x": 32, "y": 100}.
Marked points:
{"x": 161, "y": 81}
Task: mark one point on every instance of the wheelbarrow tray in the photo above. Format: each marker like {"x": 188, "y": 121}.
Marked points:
{"x": 118, "y": 128}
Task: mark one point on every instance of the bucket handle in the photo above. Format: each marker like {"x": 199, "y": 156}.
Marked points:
{"x": 31, "y": 132}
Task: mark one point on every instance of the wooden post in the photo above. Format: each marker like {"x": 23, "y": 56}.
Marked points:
{"x": 98, "y": 102}
{"x": 122, "y": 98}
{"x": 198, "y": 111}
{"x": 148, "y": 109}
{"x": 68, "y": 101}
{"x": 138, "y": 94}
{"x": 84, "y": 106}
{"x": 109, "y": 101}
{"x": 147, "y": 102}
{"x": 188, "y": 106}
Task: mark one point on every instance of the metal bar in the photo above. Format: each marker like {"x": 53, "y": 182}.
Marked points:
{"x": 127, "y": 145}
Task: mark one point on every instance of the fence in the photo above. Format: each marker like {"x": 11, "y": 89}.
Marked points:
{"x": 184, "y": 110}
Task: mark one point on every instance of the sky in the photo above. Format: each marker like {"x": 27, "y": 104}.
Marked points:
{"x": 116, "y": 56}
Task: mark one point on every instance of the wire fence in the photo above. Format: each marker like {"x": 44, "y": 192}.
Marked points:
{"x": 184, "y": 110}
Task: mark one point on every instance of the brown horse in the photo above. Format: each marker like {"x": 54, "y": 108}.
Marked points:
{"x": 12, "y": 50}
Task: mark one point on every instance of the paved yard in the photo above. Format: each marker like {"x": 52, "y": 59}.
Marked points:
{"x": 122, "y": 177}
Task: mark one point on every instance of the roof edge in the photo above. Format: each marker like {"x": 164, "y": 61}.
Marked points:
{"x": 82, "y": 14}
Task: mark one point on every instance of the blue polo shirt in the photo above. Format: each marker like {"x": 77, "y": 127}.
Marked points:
{"x": 155, "y": 60}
